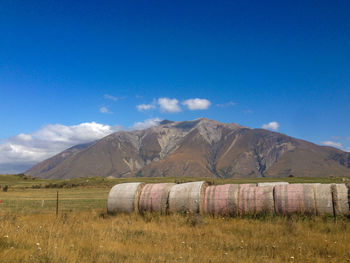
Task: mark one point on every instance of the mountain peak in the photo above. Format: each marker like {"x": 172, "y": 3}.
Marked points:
{"x": 203, "y": 119}
{"x": 198, "y": 148}
{"x": 163, "y": 122}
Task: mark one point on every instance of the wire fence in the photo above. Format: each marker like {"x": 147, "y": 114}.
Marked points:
{"x": 30, "y": 206}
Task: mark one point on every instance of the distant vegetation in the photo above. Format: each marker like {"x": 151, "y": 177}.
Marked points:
{"x": 23, "y": 181}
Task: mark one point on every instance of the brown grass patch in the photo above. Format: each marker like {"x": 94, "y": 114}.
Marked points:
{"x": 94, "y": 236}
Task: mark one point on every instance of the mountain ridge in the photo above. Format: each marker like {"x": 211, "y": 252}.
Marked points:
{"x": 199, "y": 148}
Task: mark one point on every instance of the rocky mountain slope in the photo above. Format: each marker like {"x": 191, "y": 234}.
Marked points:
{"x": 198, "y": 148}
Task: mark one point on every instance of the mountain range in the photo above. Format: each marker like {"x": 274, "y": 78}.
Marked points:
{"x": 197, "y": 148}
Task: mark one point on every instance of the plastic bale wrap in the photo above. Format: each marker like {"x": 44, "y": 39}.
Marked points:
{"x": 272, "y": 183}
{"x": 154, "y": 197}
{"x": 221, "y": 200}
{"x": 124, "y": 198}
{"x": 295, "y": 198}
{"x": 341, "y": 199}
{"x": 247, "y": 185}
{"x": 256, "y": 200}
{"x": 323, "y": 199}
{"x": 187, "y": 197}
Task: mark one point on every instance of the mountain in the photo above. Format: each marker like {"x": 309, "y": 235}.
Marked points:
{"x": 54, "y": 161}
{"x": 197, "y": 148}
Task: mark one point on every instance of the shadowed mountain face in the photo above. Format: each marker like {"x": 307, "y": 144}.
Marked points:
{"x": 198, "y": 148}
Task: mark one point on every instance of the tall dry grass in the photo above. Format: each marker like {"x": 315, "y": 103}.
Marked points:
{"x": 93, "y": 236}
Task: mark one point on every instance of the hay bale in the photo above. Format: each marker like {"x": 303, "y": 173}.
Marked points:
{"x": 341, "y": 199}
{"x": 295, "y": 198}
{"x": 247, "y": 185}
{"x": 255, "y": 200}
{"x": 124, "y": 198}
{"x": 187, "y": 197}
{"x": 154, "y": 197}
{"x": 221, "y": 200}
{"x": 323, "y": 199}
{"x": 272, "y": 183}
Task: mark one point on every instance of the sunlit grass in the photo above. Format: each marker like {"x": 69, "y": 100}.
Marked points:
{"x": 44, "y": 200}
{"x": 93, "y": 236}
{"x": 83, "y": 232}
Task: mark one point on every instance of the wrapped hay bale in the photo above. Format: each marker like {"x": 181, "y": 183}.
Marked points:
{"x": 272, "y": 183}
{"x": 255, "y": 200}
{"x": 124, "y": 198}
{"x": 154, "y": 197}
{"x": 294, "y": 198}
{"x": 323, "y": 199}
{"x": 221, "y": 200}
{"x": 341, "y": 199}
{"x": 247, "y": 185}
{"x": 187, "y": 197}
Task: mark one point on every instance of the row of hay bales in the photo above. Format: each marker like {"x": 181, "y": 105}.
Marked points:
{"x": 278, "y": 198}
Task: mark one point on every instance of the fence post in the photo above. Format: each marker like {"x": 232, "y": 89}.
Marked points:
{"x": 57, "y": 205}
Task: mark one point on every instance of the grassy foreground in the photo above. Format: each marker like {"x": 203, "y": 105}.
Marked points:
{"x": 93, "y": 236}
{"x": 83, "y": 232}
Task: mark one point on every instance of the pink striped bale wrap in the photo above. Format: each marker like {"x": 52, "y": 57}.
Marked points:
{"x": 295, "y": 198}
{"x": 247, "y": 185}
{"x": 154, "y": 197}
{"x": 221, "y": 200}
{"x": 255, "y": 200}
{"x": 272, "y": 183}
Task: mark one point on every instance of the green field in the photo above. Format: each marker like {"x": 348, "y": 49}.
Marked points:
{"x": 33, "y": 195}
{"x": 84, "y": 232}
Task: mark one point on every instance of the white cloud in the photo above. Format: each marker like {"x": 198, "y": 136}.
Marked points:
{"x": 197, "y": 104}
{"x": 271, "y": 126}
{"x": 110, "y": 97}
{"x": 347, "y": 149}
{"x": 332, "y": 144}
{"x": 225, "y": 105}
{"x": 145, "y": 107}
{"x": 20, "y": 152}
{"x": 172, "y": 105}
{"x": 145, "y": 124}
{"x": 105, "y": 110}
{"x": 24, "y": 137}
{"x": 169, "y": 105}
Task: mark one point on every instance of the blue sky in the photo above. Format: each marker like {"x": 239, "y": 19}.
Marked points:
{"x": 282, "y": 64}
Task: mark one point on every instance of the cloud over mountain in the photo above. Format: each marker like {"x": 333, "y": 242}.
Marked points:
{"x": 22, "y": 151}
{"x": 197, "y": 104}
{"x": 332, "y": 144}
{"x": 145, "y": 124}
{"x": 169, "y": 105}
{"x": 271, "y": 126}
{"x": 172, "y": 105}
{"x": 145, "y": 107}
{"x": 105, "y": 110}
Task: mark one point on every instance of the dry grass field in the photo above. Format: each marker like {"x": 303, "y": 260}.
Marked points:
{"x": 92, "y": 236}
{"x": 83, "y": 232}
